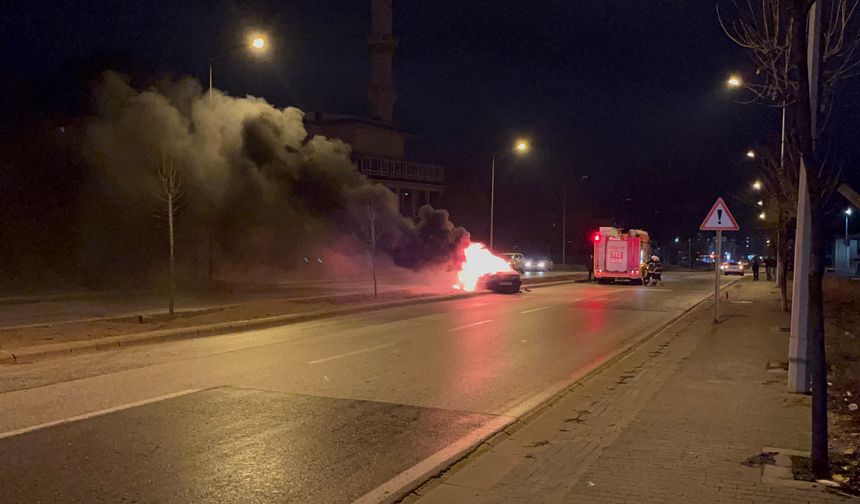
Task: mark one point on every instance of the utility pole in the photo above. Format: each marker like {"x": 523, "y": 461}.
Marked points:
{"x": 492, "y": 200}
{"x": 798, "y": 343}
{"x": 564, "y": 229}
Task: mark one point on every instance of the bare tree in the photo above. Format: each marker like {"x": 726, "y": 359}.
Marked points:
{"x": 774, "y": 34}
{"x": 372, "y": 234}
{"x": 170, "y": 192}
{"x": 779, "y": 190}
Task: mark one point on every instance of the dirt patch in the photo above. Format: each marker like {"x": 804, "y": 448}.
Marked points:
{"x": 78, "y": 331}
{"x": 842, "y": 315}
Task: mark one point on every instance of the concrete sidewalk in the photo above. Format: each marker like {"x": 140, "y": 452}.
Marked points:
{"x": 670, "y": 422}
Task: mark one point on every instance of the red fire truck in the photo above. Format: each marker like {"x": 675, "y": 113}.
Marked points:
{"x": 619, "y": 254}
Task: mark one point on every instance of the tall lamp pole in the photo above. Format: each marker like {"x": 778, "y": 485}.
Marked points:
{"x": 847, "y": 214}
{"x": 520, "y": 147}
{"x": 257, "y": 43}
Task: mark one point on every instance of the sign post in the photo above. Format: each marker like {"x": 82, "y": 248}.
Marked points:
{"x": 719, "y": 219}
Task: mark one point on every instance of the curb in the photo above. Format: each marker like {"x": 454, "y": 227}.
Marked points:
{"x": 522, "y": 418}
{"x": 32, "y": 353}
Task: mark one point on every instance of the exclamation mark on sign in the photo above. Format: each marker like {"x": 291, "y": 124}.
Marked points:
{"x": 719, "y": 215}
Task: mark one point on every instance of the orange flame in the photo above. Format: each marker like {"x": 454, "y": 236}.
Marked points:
{"x": 478, "y": 262}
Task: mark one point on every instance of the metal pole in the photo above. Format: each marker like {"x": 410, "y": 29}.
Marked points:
{"x": 564, "y": 229}
{"x": 717, "y": 260}
{"x": 846, "y": 233}
{"x": 492, "y": 200}
{"x": 798, "y": 343}
{"x": 210, "y": 85}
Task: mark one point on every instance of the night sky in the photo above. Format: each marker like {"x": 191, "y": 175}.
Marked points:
{"x": 629, "y": 93}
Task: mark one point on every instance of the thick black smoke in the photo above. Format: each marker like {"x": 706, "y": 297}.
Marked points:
{"x": 257, "y": 188}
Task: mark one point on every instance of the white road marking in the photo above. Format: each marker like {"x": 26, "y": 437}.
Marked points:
{"x": 471, "y": 325}
{"x": 97, "y": 413}
{"x": 347, "y": 354}
{"x": 535, "y": 309}
{"x": 741, "y": 302}
{"x": 653, "y": 289}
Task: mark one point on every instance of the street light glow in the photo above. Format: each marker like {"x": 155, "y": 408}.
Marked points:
{"x": 258, "y": 42}
{"x": 760, "y": 203}
{"x": 762, "y": 216}
{"x": 734, "y": 81}
{"x": 522, "y": 146}
{"x": 751, "y": 154}
{"x": 848, "y": 211}
{"x": 757, "y": 185}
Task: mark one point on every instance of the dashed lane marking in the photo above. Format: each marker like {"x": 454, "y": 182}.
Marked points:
{"x": 348, "y": 354}
{"x": 471, "y": 325}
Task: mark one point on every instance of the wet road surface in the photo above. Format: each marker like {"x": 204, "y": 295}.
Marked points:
{"x": 323, "y": 411}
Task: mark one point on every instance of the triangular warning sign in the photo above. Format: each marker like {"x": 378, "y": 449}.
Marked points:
{"x": 719, "y": 218}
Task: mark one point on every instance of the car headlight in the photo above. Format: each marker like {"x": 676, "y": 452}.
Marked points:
{"x": 541, "y": 264}
{"x": 528, "y": 264}
{"x": 722, "y": 266}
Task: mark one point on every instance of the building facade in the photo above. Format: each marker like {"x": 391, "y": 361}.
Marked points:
{"x": 378, "y": 146}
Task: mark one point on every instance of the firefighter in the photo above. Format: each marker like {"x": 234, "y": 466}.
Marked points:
{"x": 655, "y": 271}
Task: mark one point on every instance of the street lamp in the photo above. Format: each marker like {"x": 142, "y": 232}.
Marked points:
{"x": 521, "y": 147}
{"x": 258, "y": 43}
{"x": 734, "y": 81}
{"x": 760, "y": 203}
{"x": 848, "y": 213}
{"x": 757, "y": 185}
{"x": 751, "y": 154}
{"x": 762, "y": 216}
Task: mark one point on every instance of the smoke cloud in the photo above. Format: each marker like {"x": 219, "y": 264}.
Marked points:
{"x": 257, "y": 189}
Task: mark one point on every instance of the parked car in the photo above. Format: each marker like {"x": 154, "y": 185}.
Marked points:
{"x": 538, "y": 264}
{"x": 505, "y": 281}
{"x": 516, "y": 260}
{"x": 732, "y": 268}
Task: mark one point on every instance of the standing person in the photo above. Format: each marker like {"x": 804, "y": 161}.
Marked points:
{"x": 768, "y": 268}
{"x": 756, "y": 265}
{"x": 590, "y": 265}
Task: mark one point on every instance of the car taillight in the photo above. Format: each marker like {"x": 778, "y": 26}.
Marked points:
{"x": 597, "y": 237}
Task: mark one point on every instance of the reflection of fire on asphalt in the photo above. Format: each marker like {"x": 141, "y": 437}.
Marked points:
{"x": 478, "y": 262}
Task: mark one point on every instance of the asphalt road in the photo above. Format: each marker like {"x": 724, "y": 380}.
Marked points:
{"x": 132, "y": 305}
{"x": 324, "y": 411}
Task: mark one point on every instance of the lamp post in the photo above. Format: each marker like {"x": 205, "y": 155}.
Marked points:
{"x": 257, "y": 43}
{"x": 848, "y": 213}
{"x": 520, "y": 147}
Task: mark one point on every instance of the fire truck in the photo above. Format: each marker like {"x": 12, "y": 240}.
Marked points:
{"x": 619, "y": 254}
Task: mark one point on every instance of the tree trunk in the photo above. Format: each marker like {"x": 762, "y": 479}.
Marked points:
{"x": 804, "y": 124}
{"x": 817, "y": 354}
{"x": 172, "y": 286}
{"x": 781, "y": 252}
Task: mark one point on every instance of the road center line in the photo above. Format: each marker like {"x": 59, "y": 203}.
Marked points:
{"x": 347, "y": 354}
{"x": 97, "y": 413}
{"x": 470, "y": 325}
{"x": 535, "y": 309}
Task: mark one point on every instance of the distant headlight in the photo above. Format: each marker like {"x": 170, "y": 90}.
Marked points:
{"x": 541, "y": 264}
{"x": 722, "y": 266}
{"x": 528, "y": 264}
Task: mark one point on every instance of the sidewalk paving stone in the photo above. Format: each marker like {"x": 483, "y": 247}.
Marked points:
{"x": 670, "y": 422}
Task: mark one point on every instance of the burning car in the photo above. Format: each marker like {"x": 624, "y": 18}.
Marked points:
{"x": 481, "y": 269}
{"x": 503, "y": 281}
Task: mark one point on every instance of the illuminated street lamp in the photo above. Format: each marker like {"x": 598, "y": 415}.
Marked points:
{"x": 848, "y": 213}
{"x": 734, "y": 81}
{"x": 258, "y": 43}
{"x": 521, "y": 147}
{"x": 751, "y": 154}
{"x": 762, "y": 216}
{"x": 760, "y": 203}
{"x": 757, "y": 185}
